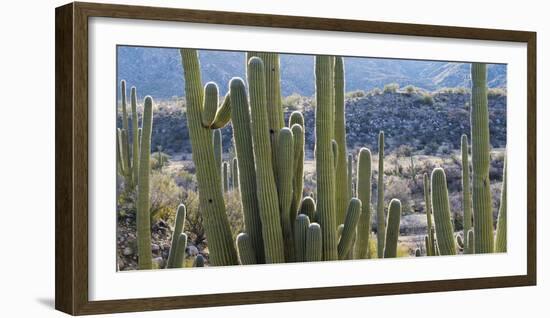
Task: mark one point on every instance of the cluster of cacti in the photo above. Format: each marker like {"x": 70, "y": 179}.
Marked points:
{"x": 268, "y": 171}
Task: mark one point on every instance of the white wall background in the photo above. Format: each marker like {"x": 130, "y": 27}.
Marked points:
{"x": 27, "y": 157}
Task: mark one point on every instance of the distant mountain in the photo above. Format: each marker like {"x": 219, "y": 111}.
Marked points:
{"x": 158, "y": 72}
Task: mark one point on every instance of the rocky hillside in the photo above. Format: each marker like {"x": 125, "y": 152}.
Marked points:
{"x": 428, "y": 124}
{"x": 138, "y": 66}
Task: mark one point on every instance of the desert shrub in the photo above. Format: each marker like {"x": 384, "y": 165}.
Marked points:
{"x": 156, "y": 162}
{"x": 356, "y": 94}
{"x": 496, "y": 92}
{"x": 165, "y": 196}
{"x": 234, "y": 212}
{"x": 391, "y": 88}
{"x": 426, "y": 99}
{"x": 375, "y": 91}
{"x": 292, "y": 102}
{"x": 462, "y": 90}
{"x": 193, "y": 218}
{"x": 398, "y": 188}
{"x": 431, "y": 148}
{"x": 404, "y": 151}
{"x": 410, "y": 89}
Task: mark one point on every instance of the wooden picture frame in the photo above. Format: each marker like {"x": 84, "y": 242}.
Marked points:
{"x": 71, "y": 122}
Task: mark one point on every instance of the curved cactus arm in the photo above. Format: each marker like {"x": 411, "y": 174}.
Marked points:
{"x": 210, "y": 104}
{"x": 342, "y": 192}
{"x": 501, "y": 236}
{"x": 285, "y": 174}
{"x": 247, "y": 255}
{"x": 428, "y": 202}
{"x": 380, "y": 215}
{"x": 459, "y": 242}
{"x": 179, "y": 253}
{"x": 466, "y": 194}
{"x": 364, "y": 175}
{"x": 350, "y": 226}
{"x": 268, "y": 200}
{"x": 308, "y": 208}
{"x": 469, "y": 243}
{"x": 242, "y": 134}
{"x": 298, "y": 179}
{"x": 392, "y": 230}
{"x": 324, "y": 119}
{"x": 442, "y": 213}
{"x": 301, "y": 225}
{"x": 211, "y": 203}
{"x": 178, "y": 229}
{"x": 199, "y": 261}
{"x": 135, "y": 136}
{"x": 481, "y": 188}
{"x": 143, "y": 219}
{"x": 223, "y": 114}
{"x": 314, "y": 243}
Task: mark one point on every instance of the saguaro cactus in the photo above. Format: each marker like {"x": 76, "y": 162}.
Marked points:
{"x": 298, "y": 179}
{"x": 342, "y": 194}
{"x": 246, "y": 249}
{"x": 125, "y": 140}
{"x": 179, "y": 253}
{"x": 501, "y": 236}
{"x": 350, "y": 176}
{"x": 481, "y": 194}
{"x": 364, "y": 174}
{"x": 178, "y": 229}
{"x": 225, "y": 176}
{"x": 428, "y": 202}
{"x": 285, "y": 174}
{"x": 135, "y": 136}
{"x": 324, "y": 119}
{"x": 218, "y": 150}
{"x": 211, "y": 203}
{"x": 242, "y": 134}
{"x": 380, "y": 216}
{"x": 314, "y": 241}
{"x": 392, "y": 231}
{"x": 143, "y": 219}
{"x": 235, "y": 174}
{"x": 308, "y": 208}
{"x": 350, "y": 226}
{"x": 301, "y": 225}
{"x": 268, "y": 200}
{"x": 442, "y": 213}
{"x": 466, "y": 195}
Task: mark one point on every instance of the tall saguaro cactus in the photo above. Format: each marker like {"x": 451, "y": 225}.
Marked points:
{"x": 350, "y": 226}
{"x": 298, "y": 180}
{"x": 211, "y": 202}
{"x": 392, "y": 231}
{"x": 242, "y": 134}
{"x": 218, "y": 150}
{"x": 341, "y": 195}
{"x": 501, "y": 236}
{"x": 442, "y": 213}
{"x": 466, "y": 195}
{"x": 285, "y": 173}
{"x": 143, "y": 219}
{"x": 268, "y": 200}
{"x": 364, "y": 174}
{"x": 481, "y": 194}
{"x": 135, "y": 136}
{"x": 324, "y": 119}
{"x": 428, "y": 201}
{"x": 380, "y": 216}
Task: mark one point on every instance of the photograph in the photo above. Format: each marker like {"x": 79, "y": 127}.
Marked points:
{"x": 229, "y": 158}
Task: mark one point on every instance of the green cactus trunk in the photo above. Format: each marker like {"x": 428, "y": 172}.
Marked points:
{"x": 301, "y": 225}
{"x": 442, "y": 213}
{"x": 135, "y": 136}
{"x": 265, "y": 181}
{"x": 324, "y": 119}
{"x": 235, "y": 174}
{"x": 285, "y": 174}
{"x": 469, "y": 243}
{"x": 242, "y": 135}
{"x": 178, "y": 229}
{"x": 350, "y": 176}
{"x": 466, "y": 195}
{"x": 225, "y": 166}
{"x": 392, "y": 231}
{"x": 125, "y": 139}
{"x": 143, "y": 219}
{"x": 210, "y": 104}
{"x": 501, "y": 235}
{"x": 179, "y": 253}
{"x": 308, "y": 208}
{"x": 218, "y": 151}
{"x": 481, "y": 194}
{"x": 298, "y": 178}
{"x": 350, "y": 226}
{"x": 428, "y": 202}
{"x": 121, "y": 162}
{"x": 211, "y": 202}
{"x": 247, "y": 255}
{"x": 364, "y": 175}
{"x": 342, "y": 192}
{"x": 314, "y": 243}
{"x": 380, "y": 215}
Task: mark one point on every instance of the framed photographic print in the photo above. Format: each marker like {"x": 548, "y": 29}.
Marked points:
{"x": 249, "y": 158}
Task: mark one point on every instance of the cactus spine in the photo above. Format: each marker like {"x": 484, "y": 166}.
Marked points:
{"x": 380, "y": 216}
{"x": 481, "y": 198}
{"x": 428, "y": 202}
{"x": 211, "y": 202}
{"x": 342, "y": 192}
{"x": 285, "y": 174}
{"x": 324, "y": 119}
{"x": 265, "y": 180}
{"x": 466, "y": 195}
{"x": 501, "y": 239}
{"x": 143, "y": 218}
{"x": 442, "y": 213}
{"x": 350, "y": 226}
{"x": 242, "y": 134}
{"x": 364, "y": 174}
{"x": 314, "y": 241}
{"x": 301, "y": 225}
{"x": 178, "y": 229}
{"x": 179, "y": 253}
{"x": 246, "y": 249}
{"x": 135, "y": 136}
{"x": 392, "y": 231}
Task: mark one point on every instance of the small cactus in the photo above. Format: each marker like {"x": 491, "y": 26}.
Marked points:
{"x": 314, "y": 241}
{"x": 301, "y": 225}
{"x": 501, "y": 240}
{"x": 428, "y": 202}
{"x": 308, "y": 208}
{"x": 364, "y": 174}
{"x": 245, "y": 249}
{"x": 350, "y": 226}
{"x": 179, "y": 253}
{"x": 392, "y": 231}
{"x": 380, "y": 216}
{"x": 178, "y": 229}
{"x": 442, "y": 213}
